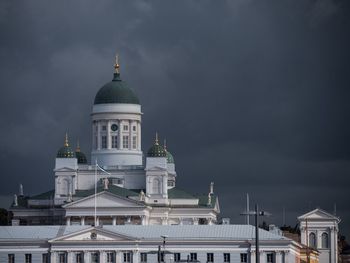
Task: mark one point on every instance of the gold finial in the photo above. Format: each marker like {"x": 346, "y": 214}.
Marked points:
{"x": 78, "y": 146}
{"x": 165, "y": 145}
{"x": 116, "y": 65}
{"x": 66, "y": 140}
{"x": 156, "y": 141}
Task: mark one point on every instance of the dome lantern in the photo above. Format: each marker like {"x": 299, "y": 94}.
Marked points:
{"x": 156, "y": 150}
{"x": 65, "y": 151}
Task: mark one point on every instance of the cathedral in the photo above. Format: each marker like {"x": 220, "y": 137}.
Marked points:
{"x": 121, "y": 185}
{"x": 124, "y": 207}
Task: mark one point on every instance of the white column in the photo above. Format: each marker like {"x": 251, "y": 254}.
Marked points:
{"x": 135, "y": 256}
{"x": 103, "y": 257}
{"x": 97, "y": 221}
{"x": 138, "y": 130}
{"x": 87, "y": 256}
{"x": 195, "y": 221}
{"x": 70, "y": 258}
{"x": 53, "y": 257}
{"x": 262, "y": 257}
{"x": 279, "y": 257}
{"x": 130, "y": 135}
{"x": 165, "y": 186}
{"x": 82, "y": 220}
{"x": 114, "y": 220}
{"x": 118, "y": 257}
{"x": 318, "y": 239}
{"x": 98, "y": 135}
{"x": 143, "y": 220}
{"x": 252, "y": 257}
{"x": 333, "y": 245}
{"x": 68, "y": 221}
{"x": 303, "y": 235}
{"x": 120, "y": 135}
{"x": 109, "y": 139}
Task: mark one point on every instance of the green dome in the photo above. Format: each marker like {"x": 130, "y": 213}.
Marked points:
{"x": 169, "y": 157}
{"x": 156, "y": 150}
{"x": 65, "y": 152}
{"x": 116, "y": 91}
{"x": 81, "y": 157}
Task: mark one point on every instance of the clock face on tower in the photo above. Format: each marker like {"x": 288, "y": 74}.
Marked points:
{"x": 114, "y": 127}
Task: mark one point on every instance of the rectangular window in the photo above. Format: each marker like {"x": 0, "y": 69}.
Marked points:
{"x": 244, "y": 257}
{"x": 114, "y": 141}
{"x": 210, "y": 257}
{"x": 11, "y": 258}
{"x": 125, "y": 127}
{"x": 104, "y": 128}
{"x": 127, "y": 257}
{"x": 28, "y": 258}
{"x": 177, "y": 257}
{"x": 110, "y": 257}
{"x": 126, "y": 142}
{"x": 227, "y": 257}
{"x": 270, "y": 258}
{"x": 134, "y": 141}
{"x": 79, "y": 258}
{"x": 133, "y": 128}
{"x": 193, "y": 256}
{"x": 62, "y": 258}
{"x": 161, "y": 257}
{"x": 104, "y": 142}
{"x": 45, "y": 258}
{"x": 95, "y": 257}
{"x": 95, "y": 142}
{"x": 143, "y": 257}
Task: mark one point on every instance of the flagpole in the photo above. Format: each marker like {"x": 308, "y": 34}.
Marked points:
{"x": 95, "y": 191}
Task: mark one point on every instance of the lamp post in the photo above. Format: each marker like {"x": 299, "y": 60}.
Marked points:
{"x": 256, "y": 214}
{"x": 161, "y": 254}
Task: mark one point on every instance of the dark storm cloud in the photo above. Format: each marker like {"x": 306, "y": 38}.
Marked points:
{"x": 252, "y": 95}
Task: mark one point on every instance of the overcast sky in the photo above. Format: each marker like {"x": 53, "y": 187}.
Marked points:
{"x": 253, "y": 95}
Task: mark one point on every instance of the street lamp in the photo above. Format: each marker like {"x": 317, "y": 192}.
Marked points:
{"x": 256, "y": 213}
{"x": 160, "y": 253}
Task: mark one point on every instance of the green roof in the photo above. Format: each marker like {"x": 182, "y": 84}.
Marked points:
{"x": 81, "y": 157}
{"x": 44, "y": 196}
{"x": 123, "y": 192}
{"x": 203, "y": 200}
{"x": 169, "y": 157}
{"x": 116, "y": 91}
{"x": 65, "y": 152}
{"x": 175, "y": 193}
{"x": 156, "y": 151}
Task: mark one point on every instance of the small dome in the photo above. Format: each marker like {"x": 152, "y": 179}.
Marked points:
{"x": 156, "y": 150}
{"x": 81, "y": 157}
{"x": 169, "y": 157}
{"x": 116, "y": 91}
{"x": 65, "y": 151}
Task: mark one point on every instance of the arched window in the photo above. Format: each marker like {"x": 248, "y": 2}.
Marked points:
{"x": 156, "y": 186}
{"x": 324, "y": 238}
{"x": 312, "y": 240}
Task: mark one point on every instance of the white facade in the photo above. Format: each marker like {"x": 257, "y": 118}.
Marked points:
{"x": 133, "y": 244}
{"x": 116, "y": 134}
{"x": 143, "y": 193}
{"x": 319, "y": 230}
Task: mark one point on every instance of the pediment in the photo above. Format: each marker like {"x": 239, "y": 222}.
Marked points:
{"x": 156, "y": 168}
{"x": 318, "y": 214}
{"x": 103, "y": 199}
{"x": 64, "y": 169}
{"x": 93, "y": 234}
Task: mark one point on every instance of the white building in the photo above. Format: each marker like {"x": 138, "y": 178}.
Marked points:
{"x": 319, "y": 230}
{"x": 137, "y": 243}
{"x": 129, "y": 191}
